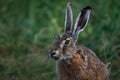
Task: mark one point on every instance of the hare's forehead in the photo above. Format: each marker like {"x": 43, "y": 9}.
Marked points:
{"x": 62, "y": 37}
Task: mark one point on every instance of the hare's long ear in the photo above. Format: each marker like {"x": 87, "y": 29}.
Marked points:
{"x": 68, "y": 18}
{"x": 81, "y": 22}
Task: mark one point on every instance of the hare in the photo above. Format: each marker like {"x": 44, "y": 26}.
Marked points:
{"x": 76, "y": 62}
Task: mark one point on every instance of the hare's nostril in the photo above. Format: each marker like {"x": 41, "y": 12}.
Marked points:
{"x": 53, "y": 55}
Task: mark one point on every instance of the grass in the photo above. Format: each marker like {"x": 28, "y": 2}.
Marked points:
{"x": 28, "y": 27}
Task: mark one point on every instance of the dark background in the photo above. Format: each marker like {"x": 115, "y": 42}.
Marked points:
{"x": 28, "y": 27}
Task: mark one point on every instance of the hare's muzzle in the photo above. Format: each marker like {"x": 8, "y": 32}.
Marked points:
{"x": 53, "y": 55}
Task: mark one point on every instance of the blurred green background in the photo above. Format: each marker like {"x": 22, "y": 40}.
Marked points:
{"x": 28, "y": 27}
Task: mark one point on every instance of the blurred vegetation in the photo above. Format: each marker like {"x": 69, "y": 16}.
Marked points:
{"x": 27, "y": 29}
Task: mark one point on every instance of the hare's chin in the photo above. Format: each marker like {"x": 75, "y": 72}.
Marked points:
{"x": 65, "y": 57}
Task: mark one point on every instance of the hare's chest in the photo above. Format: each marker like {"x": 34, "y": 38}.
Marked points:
{"x": 71, "y": 71}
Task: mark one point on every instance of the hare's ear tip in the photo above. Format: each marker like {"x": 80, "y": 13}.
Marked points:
{"x": 88, "y": 7}
{"x": 69, "y": 4}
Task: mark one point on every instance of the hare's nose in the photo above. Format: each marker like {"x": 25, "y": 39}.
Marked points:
{"x": 54, "y": 56}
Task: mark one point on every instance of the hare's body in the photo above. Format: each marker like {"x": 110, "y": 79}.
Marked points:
{"x": 76, "y": 63}
{"x": 81, "y": 67}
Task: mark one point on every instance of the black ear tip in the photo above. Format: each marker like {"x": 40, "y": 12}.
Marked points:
{"x": 88, "y": 7}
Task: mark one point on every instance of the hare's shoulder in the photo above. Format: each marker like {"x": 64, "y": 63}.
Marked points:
{"x": 90, "y": 55}
{"x": 93, "y": 63}
{"x": 85, "y": 50}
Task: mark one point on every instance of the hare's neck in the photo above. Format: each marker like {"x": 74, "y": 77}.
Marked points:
{"x": 69, "y": 70}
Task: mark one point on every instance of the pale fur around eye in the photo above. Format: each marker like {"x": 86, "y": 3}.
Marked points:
{"x": 62, "y": 44}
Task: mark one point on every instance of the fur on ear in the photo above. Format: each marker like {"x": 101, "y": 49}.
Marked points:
{"x": 81, "y": 22}
{"x": 68, "y": 18}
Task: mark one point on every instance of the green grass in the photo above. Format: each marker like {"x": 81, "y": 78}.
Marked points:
{"x": 28, "y": 27}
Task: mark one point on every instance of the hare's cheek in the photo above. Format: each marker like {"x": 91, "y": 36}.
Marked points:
{"x": 60, "y": 53}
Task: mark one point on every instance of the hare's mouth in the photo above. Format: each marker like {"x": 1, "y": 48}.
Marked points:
{"x": 56, "y": 56}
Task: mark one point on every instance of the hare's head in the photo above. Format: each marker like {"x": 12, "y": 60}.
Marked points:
{"x": 64, "y": 45}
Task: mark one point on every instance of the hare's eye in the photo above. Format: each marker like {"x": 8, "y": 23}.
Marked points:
{"x": 67, "y": 42}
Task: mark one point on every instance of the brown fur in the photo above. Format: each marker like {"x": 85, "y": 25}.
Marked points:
{"x": 78, "y": 68}
{"x": 76, "y": 63}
